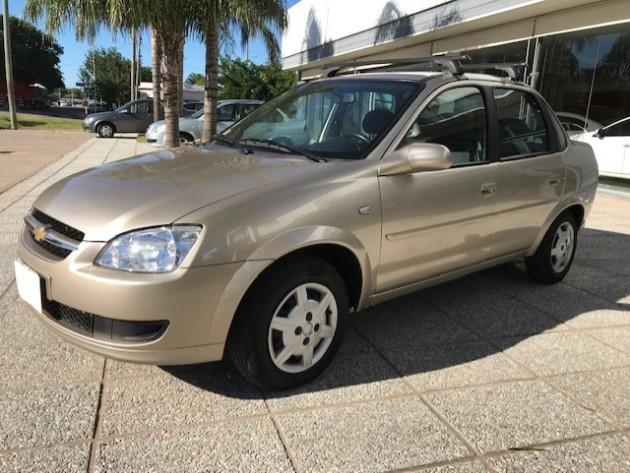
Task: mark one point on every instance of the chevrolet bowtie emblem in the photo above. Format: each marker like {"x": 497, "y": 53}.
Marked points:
{"x": 39, "y": 233}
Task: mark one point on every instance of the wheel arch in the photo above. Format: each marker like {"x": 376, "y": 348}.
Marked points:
{"x": 351, "y": 263}
{"x": 103, "y": 122}
{"x": 575, "y": 208}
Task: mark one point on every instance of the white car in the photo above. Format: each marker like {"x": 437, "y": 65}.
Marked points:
{"x": 576, "y": 124}
{"x": 611, "y": 145}
{"x": 190, "y": 129}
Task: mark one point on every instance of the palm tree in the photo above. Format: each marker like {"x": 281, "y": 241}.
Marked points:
{"x": 8, "y": 62}
{"x": 216, "y": 20}
{"x": 170, "y": 19}
{"x": 156, "y": 75}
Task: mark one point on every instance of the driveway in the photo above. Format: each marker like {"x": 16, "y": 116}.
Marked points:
{"x": 491, "y": 373}
{"x": 26, "y": 152}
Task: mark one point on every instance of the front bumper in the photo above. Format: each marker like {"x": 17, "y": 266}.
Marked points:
{"x": 187, "y": 300}
{"x": 154, "y": 137}
{"x": 87, "y": 126}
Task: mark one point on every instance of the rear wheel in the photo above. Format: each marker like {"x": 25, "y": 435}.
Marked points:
{"x": 105, "y": 130}
{"x": 554, "y": 255}
{"x": 290, "y": 325}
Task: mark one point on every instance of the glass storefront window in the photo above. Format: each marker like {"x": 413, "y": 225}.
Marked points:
{"x": 587, "y": 73}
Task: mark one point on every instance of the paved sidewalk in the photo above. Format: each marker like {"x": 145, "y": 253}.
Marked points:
{"x": 25, "y": 152}
{"x": 490, "y": 373}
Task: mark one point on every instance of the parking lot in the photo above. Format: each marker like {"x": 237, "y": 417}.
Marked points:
{"x": 491, "y": 373}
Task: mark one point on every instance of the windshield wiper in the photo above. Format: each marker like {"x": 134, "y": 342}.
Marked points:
{"x": 275, "y": 145}
{"x": 223, "y": 139}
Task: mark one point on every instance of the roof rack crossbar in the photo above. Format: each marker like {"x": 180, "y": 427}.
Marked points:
{"x": 450, "y": 63}
{"x": 512, "y": 69}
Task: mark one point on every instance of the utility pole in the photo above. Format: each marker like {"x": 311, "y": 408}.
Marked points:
{"x": 133, "y": 65}
{"x": 8, "y": 62}
{"x": 139, "y": 67}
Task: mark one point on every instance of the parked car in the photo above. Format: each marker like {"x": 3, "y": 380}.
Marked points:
{"x": 611, "y": 145}
{"x": 258, "y": 245}
{"x": 133, "y": 117}
{"x": 229, "y": 111}
{"x": 576, "y": 124}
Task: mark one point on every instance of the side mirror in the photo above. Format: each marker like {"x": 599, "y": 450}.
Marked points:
{"x": 600, "y": 133}
{"x": 416, "y": 157}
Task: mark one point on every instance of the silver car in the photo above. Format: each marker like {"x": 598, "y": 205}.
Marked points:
{"x": 229, "y": 111}
{"x": 260, "y": 245}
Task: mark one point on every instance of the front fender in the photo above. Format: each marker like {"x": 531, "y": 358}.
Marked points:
{"x": 293, "y": 240}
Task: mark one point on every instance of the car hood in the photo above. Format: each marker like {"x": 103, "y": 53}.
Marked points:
{"x": 160, "y": 187}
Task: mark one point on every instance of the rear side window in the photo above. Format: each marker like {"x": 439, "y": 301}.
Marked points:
{"x": 456, "y": 119}
{"x": 521, "y": 124}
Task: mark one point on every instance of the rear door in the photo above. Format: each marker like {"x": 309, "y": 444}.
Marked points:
{"x": 531, "y": 171}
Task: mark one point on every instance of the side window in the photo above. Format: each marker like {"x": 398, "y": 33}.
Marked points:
{"x": 620, "y": 129}
{"x": 248, "y": 108}
{"x": 456, "y": 119}
{"x": 226, "y": 113}
{"x": 522, "y": 129}
{"x": 140, "y": 108}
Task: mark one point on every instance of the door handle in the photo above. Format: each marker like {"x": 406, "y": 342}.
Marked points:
{"x": 554, "y": 181}
{"x": 488, "y": 189}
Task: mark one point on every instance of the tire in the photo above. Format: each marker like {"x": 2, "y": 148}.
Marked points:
{"x": 554, "y": 256}
{"x": 105, "y": 130}
{"x": 259, "y": 351}
{"x": 186, "y": 138}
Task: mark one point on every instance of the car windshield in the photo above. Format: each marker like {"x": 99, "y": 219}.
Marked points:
{"x": 332, "y": 119}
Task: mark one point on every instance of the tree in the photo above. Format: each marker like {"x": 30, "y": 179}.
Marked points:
{"x": 245, "y": 80}
{"x": 195, "y": 78}
{"x": 170, "y": 19}
{"x": 36, "y": 56}
{"x": 112, "y": 74}
{"x": 219, "y": 18}
{"x": 156, "y": 75}
{"x": 8, "y": 61}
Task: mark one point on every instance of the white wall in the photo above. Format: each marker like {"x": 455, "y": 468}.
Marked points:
{"x": 315, "y": 22}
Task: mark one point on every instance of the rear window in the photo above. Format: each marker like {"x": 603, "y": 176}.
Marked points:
{"x": 522, "y": 129}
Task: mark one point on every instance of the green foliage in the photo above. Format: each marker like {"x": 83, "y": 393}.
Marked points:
{"x": 35, "y": 55}
{"x": 245, "y": 80}
{"x": 113, "y": 71}
{"x": 195, "y": 78}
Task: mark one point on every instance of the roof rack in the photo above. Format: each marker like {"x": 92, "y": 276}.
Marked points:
{"x": 450, "y": 63}
{"x": 453, "y": 64}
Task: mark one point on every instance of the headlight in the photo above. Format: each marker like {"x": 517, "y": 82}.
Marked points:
{"x": 153, "y": 250}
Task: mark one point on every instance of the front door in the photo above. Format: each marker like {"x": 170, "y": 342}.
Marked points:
{"x": 135, "y": 118}
{"x": 438, "y": 221}
{"x": 612, "y": 148}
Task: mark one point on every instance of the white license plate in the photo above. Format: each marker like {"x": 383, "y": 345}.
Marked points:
{"x": 28, "y": 285}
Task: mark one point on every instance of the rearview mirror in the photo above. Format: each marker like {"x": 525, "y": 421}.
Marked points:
{"x": 416, "y": 157}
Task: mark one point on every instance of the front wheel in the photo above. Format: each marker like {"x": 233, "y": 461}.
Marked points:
{"x": 553, "y": 258}
{"x": 290, "y": 325}
{"x": 105, "y": 130}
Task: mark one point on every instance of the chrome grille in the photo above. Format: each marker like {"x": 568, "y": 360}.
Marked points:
{"x": 53, "y": 236}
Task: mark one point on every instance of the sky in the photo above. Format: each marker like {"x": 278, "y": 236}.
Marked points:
{"x": 74, "y": 51}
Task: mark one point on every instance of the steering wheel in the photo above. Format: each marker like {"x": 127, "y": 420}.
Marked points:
{"x": 358, "y": 140}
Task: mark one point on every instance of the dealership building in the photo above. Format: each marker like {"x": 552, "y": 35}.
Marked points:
{"x": 577, "y": 51}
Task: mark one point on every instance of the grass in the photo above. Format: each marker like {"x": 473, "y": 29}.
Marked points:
{"x": 39, "y": 122}
{"x": 141, "y": 138}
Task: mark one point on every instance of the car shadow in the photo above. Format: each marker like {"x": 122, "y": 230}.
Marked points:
{"x": 459, "y": 322}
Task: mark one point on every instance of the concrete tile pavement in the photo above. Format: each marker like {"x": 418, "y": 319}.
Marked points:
{"x": 488, "y": 374}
